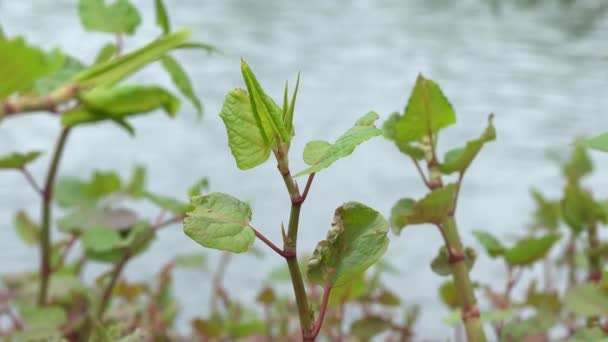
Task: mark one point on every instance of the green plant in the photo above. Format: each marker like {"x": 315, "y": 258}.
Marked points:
{"x": 257, "y": 126}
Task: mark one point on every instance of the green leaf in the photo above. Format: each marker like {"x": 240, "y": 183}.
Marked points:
{"x": 44, "y": 320}
{"x": 108, "y": 245}
{"x": 458, "y": 160}
{"x": 167, "y": 203}
{"x": 363, "y": 130}
{"x": 18, "y": 160}
{"x": 529, "y": 250}
{"x": 86, "y": 217}
{"x": 198, "y": 187}
{"x": 490, "y": 243}
{"x": 355, "y": 289}
{"x": 106, "y": 53}
{"x": 547, "y": 213}
{"x": 181, "y": 81}
{"x": 103, "y": 183}
{"x": 599, "y": 142}
{"x": 449, "y": 294}
{"x": 288, "y": 109}
{"x": 116, "y": 69}
{"x": 245, "y": 138}
{"x": 266, "y": 296}
{"x": 199, "y": 46}
{"x": 399, "y": 214}
{"x": 519, "y": 330}
{"x": 433, "y": 208}
{"x": 543, "y": 301}
{"x": 28, "y": 231}
{"x": 364, "y": 329}
{"x": 194, "y": 261}
{"x": 162, "y": 19}
{"x": 577, "y": 207}
{"x": 118, "y": 17}
{"x": 405, "y": 147}
{"x": 137, "y": 185}
{"x": 586, "y": 300}
{"x": 21, "y": 65}
{"x": 266, "y": 113}
{"x": 60, "y": 77}
{"x": 220, "y": 221}
{"x": 441, "y": 264}
{"x": 588, "y": 335}
{"x": 579, "y": 164}
{"x": 427, "y": 111}
{"x": 356, "y": 240}
{"x": 70, "y": 192}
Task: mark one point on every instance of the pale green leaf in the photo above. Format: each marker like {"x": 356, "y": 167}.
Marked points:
{"x": 47, "y": 319}
{"x": 400, "y": 212}
{"x": 245, "y": 138}
{"x": 490, "y": 243}
{"x": 529, "y": 250}
{"x": 28, "y": 231}
{"x": 60, "y": 77}
{"x": 18, "y": 160}
{"x": 315, "y": 150}
{"x": 433, "y": 208}
{"x": 220, "y": 221}
{"x": 106, "y": 53}
{"x": 363, "y": 130}
{"x": 167, "y": 203}
{"x": 586, "y": 300}
{"x": 120, "y": 16}
{"x": 405, "y": 147}
{"x": 599, "y": 142}
{"x": 182, "y": 81}
{"x": 356, "y": 240}
{"x": 458, "y": 160}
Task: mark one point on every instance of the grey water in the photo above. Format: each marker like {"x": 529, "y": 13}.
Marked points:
{"x": 541, "y": 68}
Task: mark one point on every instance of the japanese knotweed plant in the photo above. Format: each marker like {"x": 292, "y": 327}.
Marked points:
{"x": 79, "y": 93}
{"x": 415, "y": 132}
{"x": 257, "y": 127}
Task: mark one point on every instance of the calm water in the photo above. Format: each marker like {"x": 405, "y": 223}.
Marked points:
{"x": 542, "y": 71}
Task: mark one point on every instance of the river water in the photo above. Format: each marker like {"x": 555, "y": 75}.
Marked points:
{"x": 541, "y": 69}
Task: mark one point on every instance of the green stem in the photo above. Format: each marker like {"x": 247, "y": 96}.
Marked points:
{"x": 109, "y": 289}
{"x": 45, "y": 230}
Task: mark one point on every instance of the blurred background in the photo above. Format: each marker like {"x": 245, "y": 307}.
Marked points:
{"x": 540, "y": 66}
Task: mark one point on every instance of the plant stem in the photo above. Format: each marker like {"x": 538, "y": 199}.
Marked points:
{"x": 270, "y": 244}
{"x": 322, "y": 311}
{"x": 45, "y": 230}
{"x": 31, "y": 180}
{"x": 28, "y": 104}
{"x": 107, "y": 291}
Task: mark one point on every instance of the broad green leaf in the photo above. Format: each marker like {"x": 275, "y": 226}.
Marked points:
{"x": 529, "y": 250}
{"x": 137, "y": 185}
{"x": 355, "y": 289}
{"x": 433, "y": 208}
{"x": 245, "y": 138}
{"x": 577, "y": 207}
{"x": 441, "y": 264}
{"x": 490, "y": 243}
{"x": 162, "y": 19}
{"x": 363, "y": 130}
{"x": 599, "y": 142}
{"x": 266, "y": 113}
{"x": 220, "y": 221}
{"x": 28, "y": 231}
{"x": 116, "y": 69}
{"x": 60, "y": 77}
{"x": 198, "y": 187}
{"x": 181, "y": 81}
{"x": 519, "y": 330}
{"x": 458, "y": 160}
{"x": 194, "y": 261}
{"x": 427, "y": 112}
{"x": 167, "y": 203}
{"x": 315, "y": 150}
{"x": 364, "y": 329}
{"x": 399, "y": 214}
{"x": 388, "y": 298}
{"x": 586, "y": 300}
{"x": 106, "y": 53}
{"x": 405, "y": 147}
{"x": 87, "y": 217}
{"x": 103, "y": 183}
{"x": 17, "y": 160}
{"x": 356, "y": 240}
{"x": 119, "y": 16}
{"x": 21, "y": 65}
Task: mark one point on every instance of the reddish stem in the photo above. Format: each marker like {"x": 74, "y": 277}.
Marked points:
{"x": 319, "y": 323}
{"x": 279, "y": 251}
{"x": 31, "y": 180}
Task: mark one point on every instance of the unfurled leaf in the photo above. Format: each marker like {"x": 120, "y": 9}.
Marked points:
{"x": 599, "y": 142}
{"x": 586, "y": 300}
{"x": 356, "y": 240}
{"x": 162, "y": 19}
{"x": 529, "y": 250}
{"x": 326, "y": 154}
{"x": 268, "y": 116}
{"x": 245, "y": 138}
{"x": 17, "y": 160}
{"x": 458, "y": 160}
{"x": 220, "y": 221}
{"x": 170, "y": 204}
{"x": 87, "y": 217}
{"x": 405, "y": 147}
{"x": 369, "y": 326}
{"x": 427, "y": 112}
{"x": 28, "y": 231}
{"x": 116, "y": 69}
{"x": 181, "y": 81}
{"x": 194, "y": 261}
{"x": 198, "y": 187}
{"x": 490, "y": 243}
{"x": 433, "y": 208}
{"x": 119, "y": 102}
{"x": 21, "y": 65}
{"x": 106, "y": 53}
{"x": 119, "y": 16}
{"x": 137, "y": 185}
{"x": 441, "y": 264}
